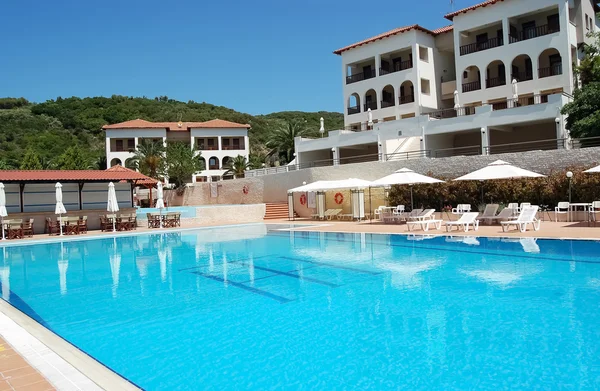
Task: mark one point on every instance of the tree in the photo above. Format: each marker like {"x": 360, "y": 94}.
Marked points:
{"x": 149, "y": 158}
{"x": 257, "y": 160}
{"x": 182, "y": 162}
{"x": 236, "y": 167}
{"x": 281, "y": 139}
{"x": 31, "y": 161}
{"x": 74, "y": 158}
{"x": 4, "y": 165}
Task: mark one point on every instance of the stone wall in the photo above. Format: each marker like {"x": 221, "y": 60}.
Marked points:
{"x": 220, "y": 214}
{"x": 273, "y": 188}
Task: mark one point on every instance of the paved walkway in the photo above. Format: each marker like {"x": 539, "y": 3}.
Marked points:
{"x": 16, "y": 373}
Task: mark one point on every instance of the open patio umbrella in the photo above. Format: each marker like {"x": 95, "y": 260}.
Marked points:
{"x": 593, "y": 170}
{"x": 160, "y": 204}
{"x": 112, "y": 205}
{"x": 499, "y": 170}
{"x": 60, "y": 208}
{"x": 405, "y": 176}
{"x": 3, "y": 213}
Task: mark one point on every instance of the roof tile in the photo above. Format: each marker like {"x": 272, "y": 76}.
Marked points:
{"x": 113, "y": 174}
{"x": 451, "y": 15}
{"x": 174, "y": 126}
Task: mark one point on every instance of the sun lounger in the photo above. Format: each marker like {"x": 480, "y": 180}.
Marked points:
{"x": 505, "y": 214}
{"x": 466, "y": 220}
{"x": 331, "y": 213}
{"x": 489, "y": 213}
{"x": 425, "y": 224}
{"x": 527, "y": 216}
{"x": 427, "y": 214}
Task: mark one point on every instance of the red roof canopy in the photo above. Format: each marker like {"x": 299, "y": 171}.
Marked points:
{"x": 471, "y": 8}
{"x": 113, "y": 174}
{"x": 175, "y": 126}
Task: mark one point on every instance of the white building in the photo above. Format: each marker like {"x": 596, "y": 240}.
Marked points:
{"x": 217, "y": 141}
{"x": 494, "y": 81}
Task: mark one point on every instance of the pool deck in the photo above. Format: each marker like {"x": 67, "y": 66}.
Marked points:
{"x": 32, "y": 358}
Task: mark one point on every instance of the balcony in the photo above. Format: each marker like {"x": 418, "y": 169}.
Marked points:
{"x": 397, "y": 67}
{"x": 480, "y": 46}
{"x": 472, "y": 86}
{"x": 353, "y": 110}
{"x": 360, "y": 76}
{"x": 232, "y": 148}
{"x": 533, "y": 32}
{"x": 405, "y": 99}
{"x": 386, "y": 103}
{"x": 553, "y": 70}
{"x": 494, "y": 82}
{"x": 203, "y": 147}
{"x": 370, "y": 105}
{"x": 522, "y": 76}
{"x": 452, "y": 113}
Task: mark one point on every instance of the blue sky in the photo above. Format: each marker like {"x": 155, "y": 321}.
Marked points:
{"x": 255, "y": 56}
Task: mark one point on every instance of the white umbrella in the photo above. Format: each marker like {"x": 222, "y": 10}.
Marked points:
{"x": 351, "y": 183}
{"x": 456, "y": 100}
{"x": 3, "y": 213}
{"x": 499, "y": 170}
{"x": 160, "y": 204}
{"x": 113, "y": 205}
{"x": 5, "y": 279}
{"x": 593, "y": 170}
{"x": 60, "y": 208}
{"x": 405, "y": 176}
{"x": 515, "y": 90}
{"x": 322, "y": 128}
{"x": 370, "y": 117}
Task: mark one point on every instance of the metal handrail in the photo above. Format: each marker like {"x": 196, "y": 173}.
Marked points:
{"x": 527, "y": 146}
{"x": 466, "y": 151}
{"x": 480, "y": 46}
{"x": 408, "y": 155}
{"x": 534, "y": 32}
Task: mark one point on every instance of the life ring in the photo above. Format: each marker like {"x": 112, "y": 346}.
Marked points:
{"x": 246, "y": 189}
{"x": 339, "y": 198}
{"x": 303, "y": 199}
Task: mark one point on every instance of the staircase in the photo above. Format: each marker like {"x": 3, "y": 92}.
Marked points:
{"x": 278, "y": 210}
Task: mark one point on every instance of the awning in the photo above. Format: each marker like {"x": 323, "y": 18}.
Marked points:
{"x": 351, "y": 183}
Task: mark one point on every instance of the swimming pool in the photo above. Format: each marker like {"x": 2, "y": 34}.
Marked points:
{"x": 258, "y": 308}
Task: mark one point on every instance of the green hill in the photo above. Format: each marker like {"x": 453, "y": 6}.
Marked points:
{"x": 51, "y": 127}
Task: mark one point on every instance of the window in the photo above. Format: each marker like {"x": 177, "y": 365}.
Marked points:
{"x": 553, "y": 23}
{"x": 131, "y": 144}
{"x": 201, "y": 179}
{"x": 215, "y": 178}
{"x": 424, "y": 53}
{"x": 425, "y": 87}
{"x": 587, "y": 22}
{"x": 119, "y": 145}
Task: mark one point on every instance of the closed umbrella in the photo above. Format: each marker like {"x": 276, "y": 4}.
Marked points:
{"x": 499, "y": 170}
{"x": 370, "y": 117}
{"x": 113, "y": 205}
{"x": 456, "y": 100}
{"x": 160, "y": 204}
{"x": 3, "y": 213}
{"x": 405, "y": 176}
{"x": 515, "y": 90}
{"x": 60, "y": 208}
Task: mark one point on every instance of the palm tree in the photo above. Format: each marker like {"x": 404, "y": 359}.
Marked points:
{"x": 236, "y": 166}
{"x": 281, "y": 139}
{"x": 149, "y": 158}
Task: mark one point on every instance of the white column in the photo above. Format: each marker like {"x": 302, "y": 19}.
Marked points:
{"x": 247, "y": 146}
{"x": 485, "y": 141}
{"x": 135, "y": 141}
{"x": 219, "y": 143}
{"x": 377, "y": 65}
{"x": 192, "y": 142}
{"x": 505, "y": 36}
{"x": 108, "y": 151}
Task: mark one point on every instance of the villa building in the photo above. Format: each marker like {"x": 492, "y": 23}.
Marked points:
{"x": 217, "y": 141}
{"x": 493, "y": 81}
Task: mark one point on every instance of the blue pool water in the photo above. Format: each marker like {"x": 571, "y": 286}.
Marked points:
{"x": 253, "y": 308}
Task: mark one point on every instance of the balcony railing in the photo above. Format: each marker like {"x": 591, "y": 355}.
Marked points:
{"x": 458, "y": 151}
{"x": 360, "y": 76}
{"x": 208, "y": 147}
{"x": 520, "y": 102}
{"x": 122, "y": 149}
{"x": 522, "y": 76}
{"x": 386, "y": 103}
{"x": 233, "y": 147}
{"x": 479, "y": 46}
{"x": 452, "y": 113}
{"x": 553, "y": 70}
{"x": 406, "y": 99}
{"x": 525, "y": 146}
{"x": 495, "y": 82}
{"x": 534, "y": 32}
{"x": 353, "y": 110}
{"x": 370, "y": 105}
{"x": 397, "y": 67}
{"x": 471, "y": 86}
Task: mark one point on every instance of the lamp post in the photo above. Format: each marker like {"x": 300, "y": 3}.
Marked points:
{"x": 569, "y": 176}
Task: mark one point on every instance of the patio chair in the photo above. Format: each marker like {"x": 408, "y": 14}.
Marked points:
{"x": 15, "y": 229}
{"x": 28, "y": 228}
{"x": 82, "y": 223}
{"x": 378, "y": 212}
{"x": 399, "y": 210}
{"x": 466, "y": 220}
{"x": 71, "y": 225}
{"x": 505, "y": 214}
{"x": 594, "y": 211}
{"x": 563, "y": 209}
{"x": 105, "y": 225}
{"x": 427, "y": 214}
{"x": 52, "y": 227}
{"x": 488, "y": 213}
{"x": 461, "y": 208}
{"x": 527, "y": 216}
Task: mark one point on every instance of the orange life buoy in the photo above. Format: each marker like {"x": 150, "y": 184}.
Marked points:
{"x": 246, "y": 189}
{"x": 303, "y": 199}
{"x": 339, "y": 198}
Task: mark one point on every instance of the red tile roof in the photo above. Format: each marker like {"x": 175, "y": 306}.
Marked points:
{"x": 114, "y": 174}
{"x": 393, "y": 32}
{"x": 147, "y": 181}
{"x": 442, "y": 30}
{"x": 175, "y": 126}
{"x": 471, "y": 8}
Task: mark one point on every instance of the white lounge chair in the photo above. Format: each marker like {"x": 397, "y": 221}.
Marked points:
{"x": 489, "y": 213}
{"x": 562, "y": 209}
{"x": 427, "y": 214}
{"x": 425, "y": 224}
{"x": 527, "y": 216}
{"x": 466, "y": 220}
{"x": 399, "y": 210}
{"x": 413, "y": 214}
{"x": 505, "y": 214}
